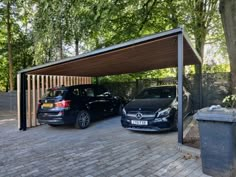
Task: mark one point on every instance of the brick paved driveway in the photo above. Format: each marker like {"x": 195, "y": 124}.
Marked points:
{"x": 104, "y": 149}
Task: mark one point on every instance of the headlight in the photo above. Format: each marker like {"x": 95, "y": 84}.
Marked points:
{"x": 164, "y": 113}
{"x": 123, "y": 111}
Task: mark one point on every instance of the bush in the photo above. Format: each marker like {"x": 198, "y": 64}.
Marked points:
{"x": 230, "y": 101}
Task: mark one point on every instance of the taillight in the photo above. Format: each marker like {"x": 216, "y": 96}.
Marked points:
{"x": 63, "y": 104}
{"x": 39, "y": 104}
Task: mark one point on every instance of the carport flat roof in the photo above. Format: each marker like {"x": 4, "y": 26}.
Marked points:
{"x": 147, "y": 53}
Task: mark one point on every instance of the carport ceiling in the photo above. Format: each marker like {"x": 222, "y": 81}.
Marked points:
{"x": 151, "y": 52}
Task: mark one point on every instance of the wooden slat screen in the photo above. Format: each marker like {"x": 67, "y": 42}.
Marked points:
{"x": 37, "y": 85}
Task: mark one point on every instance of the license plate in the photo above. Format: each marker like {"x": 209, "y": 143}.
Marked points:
{"x": 139, "y": 122}
{"x": 47, "y": 105}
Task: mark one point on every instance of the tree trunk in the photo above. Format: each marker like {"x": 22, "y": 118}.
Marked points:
{"x": 199, "y": 43}
{"x": 9, "y": 38}
{"x": 76, "y": 47}
{"x": 228, "y": 14}
{"x": 61, "y": 46}
{"x": 61, "y": 49}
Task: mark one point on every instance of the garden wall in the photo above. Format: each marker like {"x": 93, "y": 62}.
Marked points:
{"x": 215, "y": 86}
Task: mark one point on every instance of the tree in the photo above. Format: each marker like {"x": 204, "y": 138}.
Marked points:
{"x": 16, "y": 42}
{"x": 9, "y": 41}
{"x": 228, "y": 14}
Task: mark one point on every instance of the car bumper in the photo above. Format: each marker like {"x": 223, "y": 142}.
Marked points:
{"x": 151, "y": 125}
{"x": 51, "y": 121}
{"x": 48, "y": 118}
{"x": 146, "y": 129}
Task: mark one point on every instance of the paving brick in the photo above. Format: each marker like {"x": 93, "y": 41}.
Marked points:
{"x": 105, "y": 149}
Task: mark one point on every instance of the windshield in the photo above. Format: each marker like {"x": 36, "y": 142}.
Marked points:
{"x": 54, "y": 93}
{"x": 158, "y": 92}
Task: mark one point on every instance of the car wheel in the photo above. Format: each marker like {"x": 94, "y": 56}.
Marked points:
{"x": 53, "y": 125}
{"x": 119, "y": 110}
{"x": 82, "y": 120}
{"x": 175, "y": 123}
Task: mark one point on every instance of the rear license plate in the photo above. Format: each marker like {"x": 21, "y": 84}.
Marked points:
{"x": 47, "y": 105}
{"x": 139, "y": 122}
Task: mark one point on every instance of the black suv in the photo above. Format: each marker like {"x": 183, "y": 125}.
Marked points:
{"x": 78, "y": 105}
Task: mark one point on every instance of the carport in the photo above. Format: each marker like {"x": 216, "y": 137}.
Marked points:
{"x": 162, "y": 50}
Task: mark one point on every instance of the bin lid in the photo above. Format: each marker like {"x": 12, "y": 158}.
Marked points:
{"x": 216, "y": 113}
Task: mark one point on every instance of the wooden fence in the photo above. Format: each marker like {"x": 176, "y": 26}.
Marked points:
{"x": 37, "y": 85}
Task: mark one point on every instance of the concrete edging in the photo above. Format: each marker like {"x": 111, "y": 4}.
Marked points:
{"x": 187, "y": 149}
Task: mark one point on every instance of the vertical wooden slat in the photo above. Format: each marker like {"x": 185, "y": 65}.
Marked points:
{"x": 77, "y": 80}
{"x": 18, "y": 100}
{"x": 42, "y": 85}
{"x": 51, "y": 82}
{"x": 67, "y": 81}
{"x": 46, "y": 87}
{"x": 64, "y": 80}
{"x": 61, "y": 80}
{"x": 80, "y": 80}
{"x": 54, "y": 81}
{"x": 34, "y": 102}
{"x": 38, "y": 87}
{"x": 29, "y": 101}
{"x": 58, "y": 81}
{"x": 70, "y": 80}
{"x": 90, "y": 80}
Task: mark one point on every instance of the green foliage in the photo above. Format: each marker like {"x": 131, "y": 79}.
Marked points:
{"x": 22, "y": 41}
{"x": 161, "y": 73}
{"x": 44, "y": 30}
{"x": 216, "y": 68}
{"x": 3, "y": 74}
{"x": 230, "y": 101}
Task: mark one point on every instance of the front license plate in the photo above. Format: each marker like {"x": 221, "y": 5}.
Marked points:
{"x": 139, "y": 122}
{"x": 47, "y": 105}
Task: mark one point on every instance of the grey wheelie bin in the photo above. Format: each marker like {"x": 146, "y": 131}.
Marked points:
{"x": 217, "y": 128}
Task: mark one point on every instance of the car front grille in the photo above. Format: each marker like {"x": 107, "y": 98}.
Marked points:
{"x": 147, "y": 115}
{"x": 143, "y": 112}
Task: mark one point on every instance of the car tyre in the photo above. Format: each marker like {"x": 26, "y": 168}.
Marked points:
{"x": 82, "y": 120}
{"x": 53, "y": 125}
{"x": 119, "y": 110}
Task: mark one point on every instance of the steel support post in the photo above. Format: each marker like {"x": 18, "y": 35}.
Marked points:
{"x": 23, "y": 121}
{"x": 180, "y": 88}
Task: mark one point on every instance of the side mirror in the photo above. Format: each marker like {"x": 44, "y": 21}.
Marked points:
{"x": 184, "y": 98}
{"x": 107, "y": 94}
